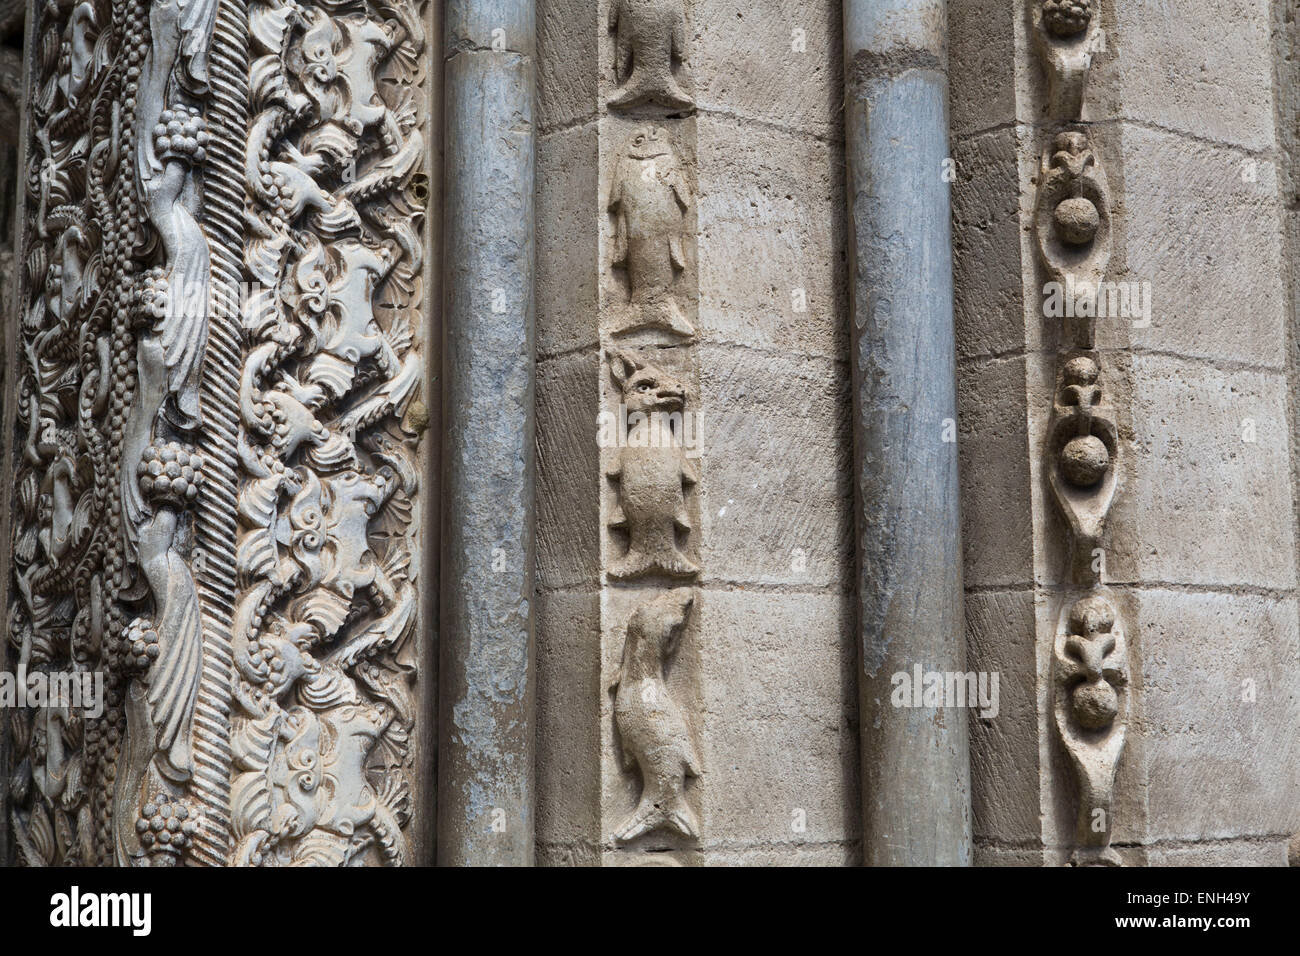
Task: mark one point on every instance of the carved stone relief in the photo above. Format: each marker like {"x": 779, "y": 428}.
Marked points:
{"x": 650, "y": 53}
{"x": 325, "y": 630}
{"x": 116, "y": 315}
{"x": 655, "y": 737}
{"x": 1083, "y": 444}
{"x": 1067, "y": 33}
{"x": 1072, "y": 222}
{"x": 651, "y": 203}
{"x": 652, "y": 472}
{"x": 1073, "y": 229}
{"x": 191, "y": 496}
{"x": 1090, "y": 710}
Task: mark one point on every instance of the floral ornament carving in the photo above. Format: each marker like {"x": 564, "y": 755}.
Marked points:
{"x": 326, "y": 625}
{"x": 1072, "y": 224}
{"x": 1090, "y": 710}
{"x": 1083, "y": 445}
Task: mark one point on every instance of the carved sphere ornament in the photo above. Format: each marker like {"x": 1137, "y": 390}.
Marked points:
{"x": 1095, "y": 704}
{"x": 1076, "y": 220}
{"x": 1084, "y": 460}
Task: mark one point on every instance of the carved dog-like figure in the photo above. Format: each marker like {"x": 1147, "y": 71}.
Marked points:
{"x": 653, "y": 732}
{"x": 653, "y": 474}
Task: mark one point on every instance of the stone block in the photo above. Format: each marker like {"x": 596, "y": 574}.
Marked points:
{"x": 773, "y": 266}
{"x": 775, "y": 491}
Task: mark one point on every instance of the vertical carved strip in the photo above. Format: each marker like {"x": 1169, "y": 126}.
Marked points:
{"x": 229, "y": 540}
{"x": 1072, "y": 224}
{"x": 650, "y": 455}
{"x": 116, "y": 303}
{"x": 224, "y": 202}
{"x": 325, "y": 631}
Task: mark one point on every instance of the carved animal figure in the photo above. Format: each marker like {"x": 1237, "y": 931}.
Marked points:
{"x": 650, "y": 201}
{"x": 652, "y": 730}
{"x": 303, "y": 797}
{"x": 650, "y": 38}
{"x": 653, "y": 475}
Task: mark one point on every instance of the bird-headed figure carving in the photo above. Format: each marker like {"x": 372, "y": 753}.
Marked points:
{"x": 654, "y": 736}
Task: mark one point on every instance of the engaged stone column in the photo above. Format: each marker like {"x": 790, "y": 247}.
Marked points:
{"x": 486, "y": 753}
{"x": 915, "y": 763}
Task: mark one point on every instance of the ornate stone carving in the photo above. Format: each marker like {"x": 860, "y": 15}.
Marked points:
{"x": 1072, "y": 223}
{"x": 1090, "y": 707}
{"x": 324, "y": 632}
{"x": 650, "y": 42}
{"x": 1067, "y": 33}
{"x": 651, "y": 505}
{"x": 650, "y": 200}
{"x": 654, "y": 736}
{"x": 653, "y": 474}
{"x": 116, "y": 300}
{"x": 1083, "y": 445}
{"x": 137, "y": 404}
{"x": 1073, "y": 230}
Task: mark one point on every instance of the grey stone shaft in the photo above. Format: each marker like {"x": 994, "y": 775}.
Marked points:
{"x": 487, "y": 688}
{"x": 915, "y": 760}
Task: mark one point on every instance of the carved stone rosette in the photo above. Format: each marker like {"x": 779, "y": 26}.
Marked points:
{"x": 650, "y": 448}
{"x": 1072, "y": 222}
{"x": 214, "y": 489}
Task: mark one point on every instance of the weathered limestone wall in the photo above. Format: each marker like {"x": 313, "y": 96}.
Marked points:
{"x": 650, "y": 198}
{"x": 1198, "y": 550}
{"x": 764, "y": 670}
{"x": 1286, "y": 61}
